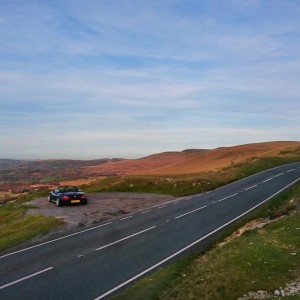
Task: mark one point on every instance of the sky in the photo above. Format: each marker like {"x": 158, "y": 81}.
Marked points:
{"x": 129, "y": 78}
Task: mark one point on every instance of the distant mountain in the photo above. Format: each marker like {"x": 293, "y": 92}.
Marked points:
{"x": 52, "y": 163}
{"x": 18, "y": 175}
{"x": 7, "y": 163}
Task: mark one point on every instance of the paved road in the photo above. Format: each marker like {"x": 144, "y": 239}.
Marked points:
{"x": 99, "y": 261}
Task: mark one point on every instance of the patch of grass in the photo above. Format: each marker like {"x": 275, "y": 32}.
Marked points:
{"x": 25, "y": 228}
{"x": 179, "y": 185}
{"x": 53, "y": 178}
{"x": 36, "y": 194}
{"x": 16, "y": 227}
{"x": 256, "y": 165}
{"x": 9, "y": 212}
{"x": 264, "y": 259}
{"x": 261, "y": 259}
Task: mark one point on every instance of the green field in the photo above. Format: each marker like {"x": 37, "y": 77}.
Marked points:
{"x": 16, "y": 227}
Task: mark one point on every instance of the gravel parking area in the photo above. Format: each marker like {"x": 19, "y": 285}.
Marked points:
{"x": 100, "y": 207}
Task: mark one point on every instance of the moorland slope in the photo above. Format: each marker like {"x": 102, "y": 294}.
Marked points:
{"x": 192, "y": 161}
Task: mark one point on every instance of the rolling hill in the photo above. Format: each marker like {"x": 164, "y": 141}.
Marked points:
{"x": 23, "y": 175}
{"x": 193, "y": 160}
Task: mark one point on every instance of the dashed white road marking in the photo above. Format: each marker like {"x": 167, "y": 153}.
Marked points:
{"x": 251, "y": 187}
{"x": 227, "y": 197}
{"x": 58, "y": 239}
{"x": 125, "y": 238}
{"x": 190, "y": 212}
{"x": 26, "y": 277}
{"x": 278, "y": 175}
{"x": 267, "y": 180}
{"x": 125, "y": 218}
{"x": 162, "y": 207}
{"x": 146, "y": 211}
{"x": 291, "y": 170}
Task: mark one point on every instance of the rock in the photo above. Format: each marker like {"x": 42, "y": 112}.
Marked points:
{"x": 276, "y": 293}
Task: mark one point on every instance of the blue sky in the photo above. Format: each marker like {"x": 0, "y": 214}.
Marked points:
{"x": 128, "y": 78}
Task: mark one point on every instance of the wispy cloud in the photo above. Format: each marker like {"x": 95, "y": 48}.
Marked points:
{"x": 148, "y": 75}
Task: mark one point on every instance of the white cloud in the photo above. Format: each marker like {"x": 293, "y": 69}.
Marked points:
{"x": 148, "y": 75}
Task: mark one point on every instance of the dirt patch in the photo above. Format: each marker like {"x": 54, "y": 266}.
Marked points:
{"x": 100, "y": 207}
{"x": 255, "y": 224}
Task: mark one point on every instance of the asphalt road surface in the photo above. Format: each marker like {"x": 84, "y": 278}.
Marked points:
{"x": 99, "y": 261}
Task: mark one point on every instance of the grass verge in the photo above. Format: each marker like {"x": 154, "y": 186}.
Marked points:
{"x": 261, "y": 259}
{"x": 16, "y": 227}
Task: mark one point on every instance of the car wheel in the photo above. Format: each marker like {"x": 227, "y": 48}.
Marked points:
{"x": 57, "y": 202}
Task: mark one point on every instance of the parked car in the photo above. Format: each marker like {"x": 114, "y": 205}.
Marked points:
{"x": 65, "y": 195}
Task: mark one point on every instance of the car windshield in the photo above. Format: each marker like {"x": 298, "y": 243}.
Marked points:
{"x": 67, "y": 189}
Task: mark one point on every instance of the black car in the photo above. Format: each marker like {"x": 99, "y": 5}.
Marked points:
{"x": 64, "y": 195}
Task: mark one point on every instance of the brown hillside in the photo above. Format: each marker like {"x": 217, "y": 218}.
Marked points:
{"x": 223, "y": 157}
{"x": 191, "y": 161}
{"x": 143, "y": 165}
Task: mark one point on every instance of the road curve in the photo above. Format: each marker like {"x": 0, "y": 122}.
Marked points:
{"x": 99, "y": 261}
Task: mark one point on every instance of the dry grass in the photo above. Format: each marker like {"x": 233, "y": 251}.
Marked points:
{"x": 78, "y": 182}
{"x": 193, "y": 161}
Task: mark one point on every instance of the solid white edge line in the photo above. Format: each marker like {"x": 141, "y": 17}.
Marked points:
{"x": 125, "y": 238}
{"x": 190, "y": 245}
{"x": 61, "y": 238}
{"x": 24, "y": 278}
{"x": 190, "y": 212}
